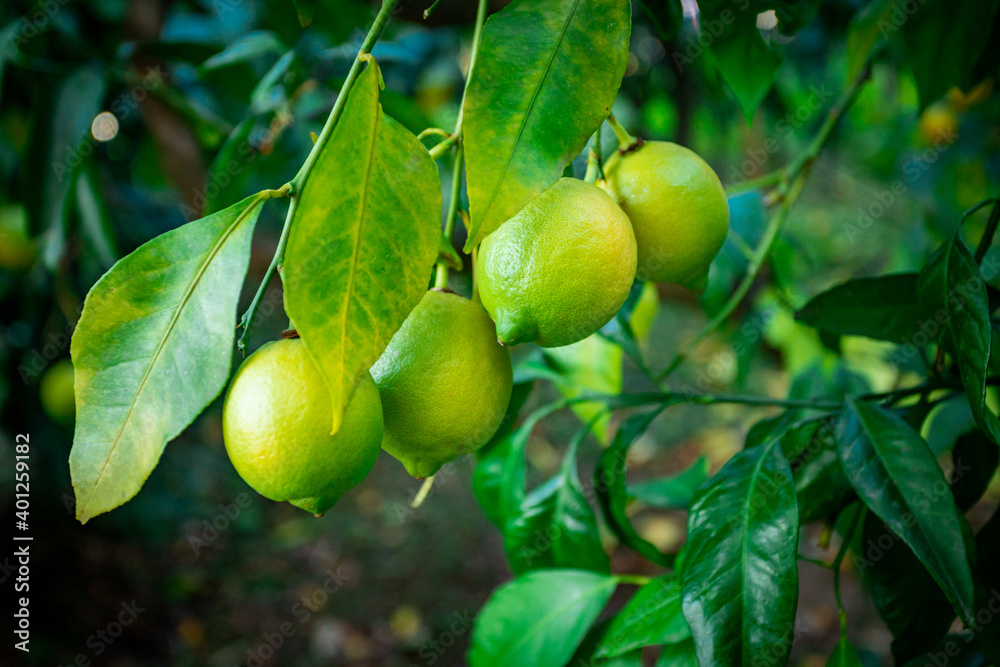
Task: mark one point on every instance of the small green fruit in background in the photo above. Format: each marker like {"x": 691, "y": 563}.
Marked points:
{"x": 276, "y": 426}
{"x": 678, "y": 209}
{"x": 560, "y": 269}
{"x": 17, "y": 251}
{"x": 445, "y": 383}
{"x": 56, "y": 392}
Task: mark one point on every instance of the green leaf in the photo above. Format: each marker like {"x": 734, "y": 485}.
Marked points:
{"x": 747, "y": 63}
{"x": 740, "y": 571}
{"x": 539, "y": 619}
{"x": 667, "y": 16}
{"x": 674, "y": 492}
{"x": 988, "y": 589}
{"x": 820, "y": 485}
{"x": 305, "y": 9}
{"x": 610, "y": 485}
{"x": 908, "y": 599}
{"x": 556, "y": 527}
{"x": 974, "y": 462}
{"x": 59, "y": 143}
{"x": 867, "y": 29}
{"x": 681, "y": 654}
{"x": 545, "y": 77}
{"x": 94, "y": 217}
{"x": 653, "y": 616}
{"x": 363, "y": 241}
{"x": 895, "y": 474}
{"x": 952, "y": 285}
{"x": 844, "y": 655}
{"x": 943, "y": 41}
{"x": 490, "y": 459}
{"x": 883, "y": 308}
{"x": 250, "y": 46}
{"x": 153, "y": 347}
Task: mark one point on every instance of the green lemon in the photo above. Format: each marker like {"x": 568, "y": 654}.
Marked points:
{"x": 560, "y": 269}
{"x": 678, "y": 210}
{"x": 276, "y": 426}
{"x": 445, "y": 383}
{"x": 56, "y": 392}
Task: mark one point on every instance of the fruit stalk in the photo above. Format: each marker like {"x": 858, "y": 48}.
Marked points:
{"x": 441, "y": 276}
{"x": 787, "y": 192}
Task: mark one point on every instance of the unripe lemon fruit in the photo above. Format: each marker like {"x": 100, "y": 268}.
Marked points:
{"x": 276, "y": 426}
{"x": 560, "y": 269}
{"x": 445, "y": 383}
{"x": 678, "y": 210}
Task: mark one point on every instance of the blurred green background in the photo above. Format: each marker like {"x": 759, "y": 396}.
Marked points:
{"x": 122, "y": 120}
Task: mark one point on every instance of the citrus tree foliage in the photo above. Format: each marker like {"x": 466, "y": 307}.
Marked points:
{"x": 156, "y": 337}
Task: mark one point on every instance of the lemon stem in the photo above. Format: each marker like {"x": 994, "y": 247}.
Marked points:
{"x": 422, "y": 494}
{"x": 441, "y": 276}
{"x": 594, "y": 159}
{"x": 625, "y": 140}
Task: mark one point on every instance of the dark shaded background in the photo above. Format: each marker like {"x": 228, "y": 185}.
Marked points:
{"x": 216, "y": 575}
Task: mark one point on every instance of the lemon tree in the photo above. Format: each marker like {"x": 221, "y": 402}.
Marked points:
{"x": 411, "y": 336}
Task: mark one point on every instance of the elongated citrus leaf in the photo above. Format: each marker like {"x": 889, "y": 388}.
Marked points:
{"x": 363, "y": 240}
{"x": 653, "y": 616}
{"x": 539, "y": 619}
{"x": 895, "y": 473}
{"x": 152, "y": 349}
{"x": 952, "y": 284}
{"x": 556, "y": 527}
{"x": 610, "y": 487}
{"x": 740, "y": 572}
{"x": 844, "y": 655}
{"x": 546, "y": 74}
{"x": 681, "y": 654}
{"x": 884, "y": 308}
{"x": 906, "y": 596}
{"x": 673, "y": 492}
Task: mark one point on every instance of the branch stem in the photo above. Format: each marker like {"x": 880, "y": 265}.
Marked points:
{"x": 991, "y": 228}
{"x": 441, "y": 274}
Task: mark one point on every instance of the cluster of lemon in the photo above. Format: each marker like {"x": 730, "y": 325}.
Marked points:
{"x": 553, "y": 274}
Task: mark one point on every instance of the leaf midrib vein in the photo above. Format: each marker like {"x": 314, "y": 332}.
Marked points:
{"x": 163, "y": 341}
{"x": 531, "y": 105}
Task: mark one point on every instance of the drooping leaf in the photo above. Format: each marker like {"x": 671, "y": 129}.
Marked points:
{"x": 943, "y": 41}
{"x": 250, "y": 46}
{"x": 539, "y": 619}
{"x": 667, "y": 16}
{"x": 363, "y": 241}
{"x": 490, "y": 459}
{"x": 610, "y": 486}
{"x": 820, "y": 485}
{"x": 867, "y": 29}
{"x": 59, "y": 144}
{"x": 545, "y": 77}
{"x": 974, "y": 462}
{"x": 94, "y": 217}
{"x": 895, "y": 473}
{"x": 951, "y": 284}
{"x": 907, "y": 597}
{"x": 652, "y": 617}
{"x": 844, "y": 655}
{"x": 740, "y": 571}
{"x": 746, "y": 62}
{"x": 681, "y": 654}
{"x": 884, "y": 308}
{"x": 675, "y": 492}
{"x": 153, "y": 347}
{"x": 555, "y": 526}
